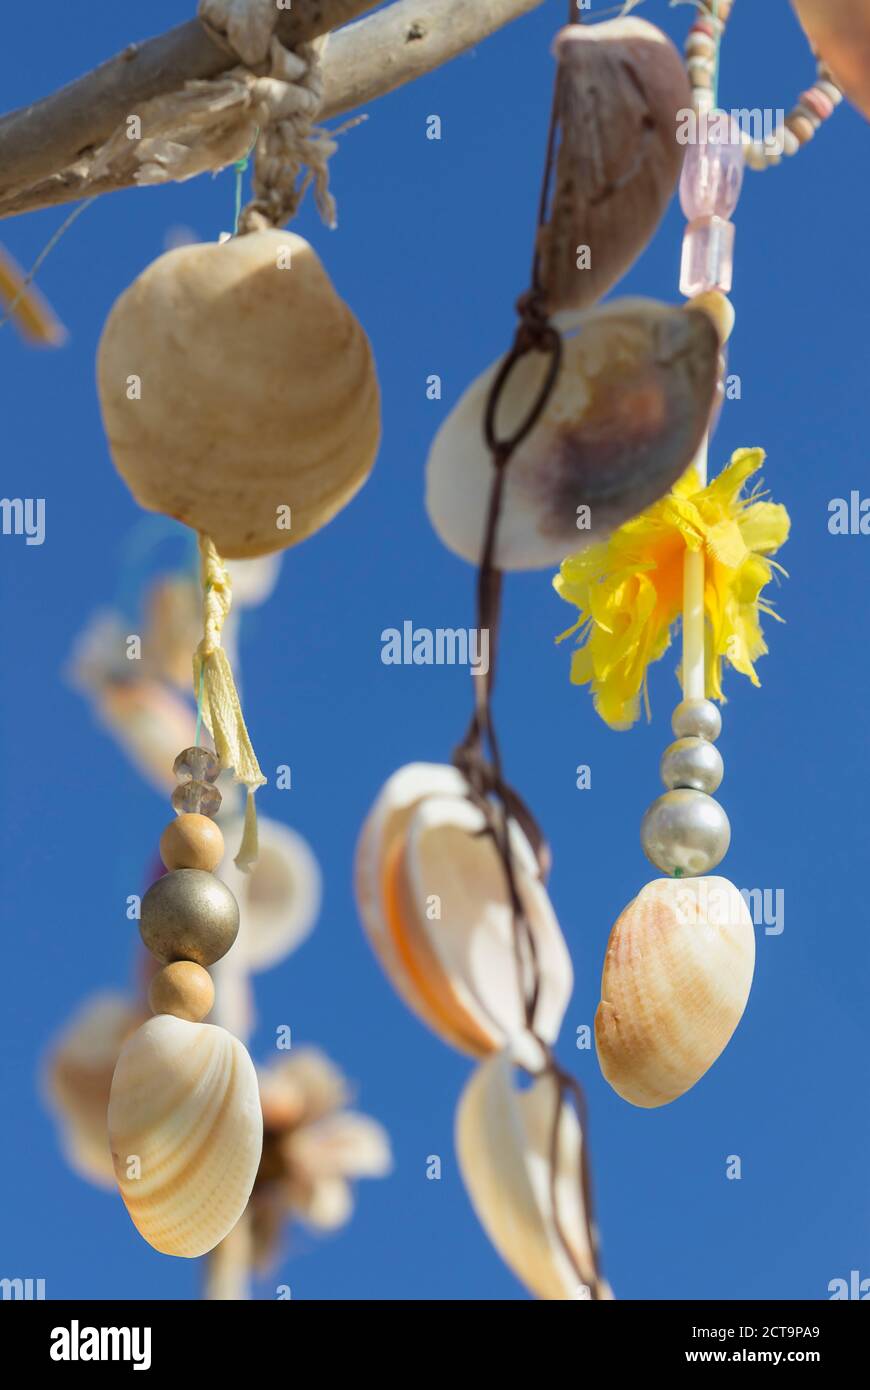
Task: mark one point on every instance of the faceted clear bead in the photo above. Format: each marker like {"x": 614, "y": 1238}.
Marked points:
{"x": 196, "y": 765}
{"x": 196, "y": 798}
{"x": 708, "y": 256}
{"x": 712, "y": 174}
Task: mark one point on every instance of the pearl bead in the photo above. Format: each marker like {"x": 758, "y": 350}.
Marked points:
{"x": 183, "y": 989}
{"x": 697, "y": 718}
{"x": 192, "y": 842}
{"x": 692, "y": 762}
{"x": 685, "y": 832}
{"x": 189, "y": 915}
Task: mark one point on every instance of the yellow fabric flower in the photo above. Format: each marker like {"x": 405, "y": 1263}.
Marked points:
{"x": 629, "y": 589}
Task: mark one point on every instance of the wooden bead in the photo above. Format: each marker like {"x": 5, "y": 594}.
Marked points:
{"x": 192, "y": 842}
{"x": 183, "y": 989}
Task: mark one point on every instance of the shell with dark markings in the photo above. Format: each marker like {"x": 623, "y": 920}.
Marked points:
{"x": 621, "y": 86}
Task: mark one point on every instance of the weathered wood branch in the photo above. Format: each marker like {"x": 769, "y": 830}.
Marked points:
{"x": 53, "y": 133}
{"x": 42, "y": 146}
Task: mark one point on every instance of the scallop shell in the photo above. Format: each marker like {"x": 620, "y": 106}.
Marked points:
{"x": 839, "y": 31}
{"x": 622, "y": 84}
{"x": 257, "y": 391}
{"x": 279, "y": 898}
{"x": 629, "y": 409}
{"x": 185, "y": 1103}
{"x": 503, "y": 1143}
{"x": 434, "y": 904}
{"x": 676, "y": 981}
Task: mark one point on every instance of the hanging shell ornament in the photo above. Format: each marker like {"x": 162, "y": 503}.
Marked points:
{"x": 504, "y": 1141}
{"x": 238, "y": 392}
{"x": 186, "y": 1131}
{"x": 626, "y": 416}
{"x": 839, "y": 31}
{"x": 434, "y": 904}
{"x": 676, "y": 981}
{"x": 621, "y": 87}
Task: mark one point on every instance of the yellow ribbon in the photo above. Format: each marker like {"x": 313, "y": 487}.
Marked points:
{"x": 221, "y": 708}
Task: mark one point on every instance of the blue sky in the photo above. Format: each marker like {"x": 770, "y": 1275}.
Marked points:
{"x": 432, "y": 249}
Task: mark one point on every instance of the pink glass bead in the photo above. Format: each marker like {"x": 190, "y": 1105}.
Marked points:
{"x": 708, "y": 256}
{"x": 712, "y": 175}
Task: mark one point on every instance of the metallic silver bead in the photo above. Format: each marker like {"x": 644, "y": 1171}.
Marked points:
{"x": 697, "y": 718}
{"x": 692, "y": 762}
{"x": 189, "y": 915}
{"x": 685, "y": 832}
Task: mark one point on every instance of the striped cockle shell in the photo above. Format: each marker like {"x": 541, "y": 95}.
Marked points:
{"x": 504, "y": 1143}
{"x": 239, "y": 393}
{"x": 676, "y": 981}
{"x": 434, "y": 904}
{"x": 622, "y": 84}
{"x": 186, "y": 1132}
{"x": 629, "y": 408}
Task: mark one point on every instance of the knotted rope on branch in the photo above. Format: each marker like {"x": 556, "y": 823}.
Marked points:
{"x": 269, "y": 103}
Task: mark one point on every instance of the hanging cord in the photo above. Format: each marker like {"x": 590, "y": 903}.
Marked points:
{"x": 498, "y": 802}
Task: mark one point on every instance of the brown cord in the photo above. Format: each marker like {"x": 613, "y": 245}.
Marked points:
{"x": 497, "y": 801}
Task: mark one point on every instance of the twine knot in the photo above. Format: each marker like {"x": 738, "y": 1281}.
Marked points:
{"x": 221, "y": 707}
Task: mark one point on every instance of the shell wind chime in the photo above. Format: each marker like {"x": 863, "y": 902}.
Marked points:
{"x": 593, "y": 410}
{"x": 680, "y": 958}
{"x": 240, "y": 397}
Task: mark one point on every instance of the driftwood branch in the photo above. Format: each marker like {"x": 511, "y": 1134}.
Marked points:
{"x": 44, "y": 147}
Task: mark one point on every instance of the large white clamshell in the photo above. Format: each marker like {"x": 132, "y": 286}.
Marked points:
{"x": 630, "y": 406}
{"x": 186, "y": 1131}
{"x": 434, "y": 903}
{"x": 504, "y": 1142}
{"x": 676, "y": 981}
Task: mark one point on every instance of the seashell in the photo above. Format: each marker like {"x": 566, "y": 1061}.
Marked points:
{"x": 434, "y": 904}
{"x": 78, "y": 1075}
{"x": 279, "y": 898}
{"x": 622, "y": 84}
{"x": 504, "y": 1143}
{"x": 253, "y": 390}
{"x": 185, "y": 1103}
{"x": 629, "y": 409}
{"x": 839, "y": 31}
{"x": 676, "y": 980}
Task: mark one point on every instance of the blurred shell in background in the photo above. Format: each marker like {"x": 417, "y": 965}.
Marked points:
{"x": 629, "y": 408}
{"x": 622, "y": 84}
{"x": 279, "y": 899}
{"x": 258, "y": 392}
{"x": 77, "y": 1076}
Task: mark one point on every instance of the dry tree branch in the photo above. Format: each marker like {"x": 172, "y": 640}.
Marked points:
{"x": 41, "y": 144}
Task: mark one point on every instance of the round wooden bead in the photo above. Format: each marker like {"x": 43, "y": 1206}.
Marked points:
{"x": 192, "y": 842}
{"x": 183, "y": 989}
{"x": 189, "y": 915}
